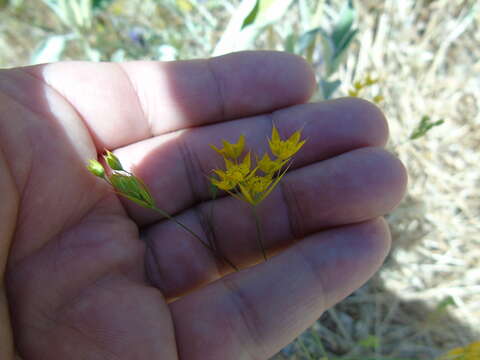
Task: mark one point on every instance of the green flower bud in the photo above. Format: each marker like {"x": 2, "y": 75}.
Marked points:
{"x": 96, "y": 168}
{"x": 132, "y": 188}
{"x": 113, "y": 161}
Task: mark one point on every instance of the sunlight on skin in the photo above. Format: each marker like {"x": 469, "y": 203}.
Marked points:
{"x": 73, "y": 126}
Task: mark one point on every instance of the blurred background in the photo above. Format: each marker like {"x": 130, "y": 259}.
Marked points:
{"x": 418, "y": 60}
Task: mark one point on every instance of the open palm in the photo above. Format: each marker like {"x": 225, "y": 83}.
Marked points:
{"x": 92, "y": 276}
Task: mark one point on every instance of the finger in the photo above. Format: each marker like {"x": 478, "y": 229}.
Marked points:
{"x": 353, "y": 187}
{"x": 175, "y": 166}
{"x": 125, "y": 103}
{"x": 254, "y": 313}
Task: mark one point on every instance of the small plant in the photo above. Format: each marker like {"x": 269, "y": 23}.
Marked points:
{"x": 424, "y": 126}
{"x": 239, "y": 179}
{"x": 253, "y": 184}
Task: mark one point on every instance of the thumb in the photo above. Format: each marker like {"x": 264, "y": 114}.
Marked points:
{"x": 8, "y": 214}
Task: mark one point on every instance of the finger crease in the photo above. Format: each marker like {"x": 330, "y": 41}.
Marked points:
{"x": 137, "y": 97}
{"x": 294, "y": 212}
{"x": 219, "y": 89}
{"x": 192, "y": 168}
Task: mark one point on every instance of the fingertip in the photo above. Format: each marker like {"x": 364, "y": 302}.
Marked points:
{"x": 299, "y": 74}
{"x": 302, "y": 74}
{"x": 371, "y": 116}
{"x": 280, "y": 79}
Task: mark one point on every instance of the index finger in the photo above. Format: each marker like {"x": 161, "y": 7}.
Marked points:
{"x": 125, "y": 103}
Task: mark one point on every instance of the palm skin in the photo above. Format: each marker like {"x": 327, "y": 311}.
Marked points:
{"x": 91, "y": 276}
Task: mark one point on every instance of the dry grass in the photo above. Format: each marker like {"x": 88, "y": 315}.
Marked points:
{"x": 427, "y": 56}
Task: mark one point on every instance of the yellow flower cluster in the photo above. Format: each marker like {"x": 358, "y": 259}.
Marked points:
{"x": 254, "y": 184}
{"x": 469, "y": 352}
{"x": 360, "y": 85}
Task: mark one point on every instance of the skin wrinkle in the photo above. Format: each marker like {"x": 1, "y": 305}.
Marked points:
{"x": 146, "y": 119}
{"x": 100, "y": 282}
{"x": 313, "y": 269}
{"x": 200, "y": 216}
{"x": 293, "y": 209}
{"x": 150, "y": 253}
{"x": 219, "y": 88}
{"x": 248, "y": 316}
{"x": 26, "y": 180}
{"x": 98, "y": 277}
{"x": 190, "y": 165}
{"x": 26, "y": 183}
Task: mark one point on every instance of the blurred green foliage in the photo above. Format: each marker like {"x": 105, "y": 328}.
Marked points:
{"x": 424, "y": 126}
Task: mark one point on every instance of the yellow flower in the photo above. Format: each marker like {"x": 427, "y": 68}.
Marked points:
{"x": 353, "y": 93}
{"x": 285, "y": 149}
{"x": 233, "y": 175}
{"x": 369, "y": 81}
{"x": 244, "y": 183}
{"x": 358, "y": 85}
{"x": 255, "y": 187}
{"x": 269, "y": 166}
{"x": 469, "y": 352}
{"x": 231, "y": 151}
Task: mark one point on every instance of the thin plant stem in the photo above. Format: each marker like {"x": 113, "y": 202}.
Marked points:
{"x": 259, "y": 231}
{"x": 168, "y": 216}
{"x": 319, "y": 342}
{"x": 305, "y": 350}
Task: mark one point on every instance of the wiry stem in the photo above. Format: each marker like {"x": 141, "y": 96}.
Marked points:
{"x": 259, "y": 232}
{"x": 168, "y": 216}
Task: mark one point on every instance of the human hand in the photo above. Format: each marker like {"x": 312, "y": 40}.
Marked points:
{"x": 92, "y": 276}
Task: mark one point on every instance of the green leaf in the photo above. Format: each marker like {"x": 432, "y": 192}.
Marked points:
{"x": 266, "y": 11}
{"x": 271, "y": 11}
{"x": 250, "y": 19}
{"x": 445, "y": 303}
{"x": 100, "y": 4}
{"x": 329, "y": 87}
{"x": 340, "y": 52}
{"x": 344, "y": 23}
{"x": 289, "y": 44}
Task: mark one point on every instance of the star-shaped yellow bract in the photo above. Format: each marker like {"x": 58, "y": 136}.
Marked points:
{"x": 285, "y": 149}
{"x": 231, "y": 151}
{"x": 254, "y": 188}
{"x": 233, "y": 175}
{"x": 269, "y": 166}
